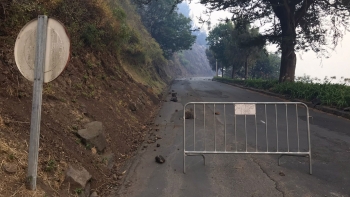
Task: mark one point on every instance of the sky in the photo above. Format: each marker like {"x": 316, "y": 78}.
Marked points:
{"x": 338, "y": 64}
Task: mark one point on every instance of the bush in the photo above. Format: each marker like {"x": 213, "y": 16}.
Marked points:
{"x": 333, "y": 95}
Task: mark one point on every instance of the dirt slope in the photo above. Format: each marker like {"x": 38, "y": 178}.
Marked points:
{"x": 118, "y": 82}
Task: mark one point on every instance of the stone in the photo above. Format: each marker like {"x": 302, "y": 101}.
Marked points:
{"x": 10, "y": 168}
{"x": 281, "y": 174}
{"x": 160, "y": 159}
{"x": 217, "y": 113}
{"x": 115, "y": 177}
{"x": 174, "y": 99}
{"x": 77, "y": 177}
{"x": 94, "y": 194}
{"x": 109, "y": 160}
{"x": 173, "y": 94}
{"x": 189, "y": 114}
{"x": 93, "y": 134}
{"x": 158, "y": 145}
{"x": 347, "y": 109}
{"x": 132, "y": 107}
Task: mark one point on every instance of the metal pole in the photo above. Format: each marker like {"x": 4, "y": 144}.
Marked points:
{"x": 37, "y": 101}
{"x": 216, "y": 68}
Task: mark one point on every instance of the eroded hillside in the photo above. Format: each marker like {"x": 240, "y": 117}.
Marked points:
{"x": 116, "y": 75}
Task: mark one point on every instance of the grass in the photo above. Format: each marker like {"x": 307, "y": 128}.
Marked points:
{"x": 332, "y": 95}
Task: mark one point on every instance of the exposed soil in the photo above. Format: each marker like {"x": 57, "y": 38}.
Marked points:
{"x": 92, "y": 88}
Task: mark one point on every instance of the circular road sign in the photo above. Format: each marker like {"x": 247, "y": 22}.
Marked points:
{"x": 57, "y": 50}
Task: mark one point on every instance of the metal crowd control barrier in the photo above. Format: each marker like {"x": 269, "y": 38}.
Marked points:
{"x": 288, "y": 136}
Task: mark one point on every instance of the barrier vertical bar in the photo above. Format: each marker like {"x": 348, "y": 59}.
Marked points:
{"x": 214, "y": 129}
{"x": 308, "y": 135}
{"x": 194, "y": 126}
{"x": 267, "y": 140}
{"x": 276, "y": 127}
{"x": 184, "y": 122}
{"x": 235, "y": 132}
{"x": 256, "y": 135}
{"x": 297, "y": 114}
{"x": 205, "y": 134}
{"x": 225, "y": 124}
{"x": 287, "y": 127}
{"x": 245, "y": 130}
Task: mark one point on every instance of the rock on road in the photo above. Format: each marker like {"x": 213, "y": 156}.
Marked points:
{"x": 232, "y": 174}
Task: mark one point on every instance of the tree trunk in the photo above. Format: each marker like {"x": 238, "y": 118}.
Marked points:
{"x": 233, "y": 72}
{"x": 246, "y": 68}
{"x": 222, "y": 71}
{"x": 288, "y": 59}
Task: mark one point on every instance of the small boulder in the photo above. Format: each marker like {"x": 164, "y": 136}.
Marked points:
{"x": 93, "y": 134}
{"x": 109, "y": 160}
{"x": 10, "y": 168}
{"x": 160, "y": 159}
{"x": 174, "y": 94}
{"x": 189, "y": 114}
{"x": 158, "y": 145}
{"x": 132, "y": 107}
{"x": 217, "y": 113}
{"x": 347, "y": 109}
{"x": 174, "y": 99}
{"x": 94, "y": 194}
{"x": 77, "y": 177}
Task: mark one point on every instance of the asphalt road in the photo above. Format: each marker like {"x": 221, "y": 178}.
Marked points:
{"x": 241, "y": 174}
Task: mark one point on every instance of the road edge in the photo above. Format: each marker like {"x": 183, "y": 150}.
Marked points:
{"x": 309, "y": 104}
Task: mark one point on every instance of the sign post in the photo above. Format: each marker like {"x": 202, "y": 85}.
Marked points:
{"x": 41, "y": 52}
{"x": 37, "y": 101}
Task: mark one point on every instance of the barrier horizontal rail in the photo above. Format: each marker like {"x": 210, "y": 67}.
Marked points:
{"x": 281, "y": 145}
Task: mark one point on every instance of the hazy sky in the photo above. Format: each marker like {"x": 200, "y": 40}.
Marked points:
{"x": 307, "y": 63}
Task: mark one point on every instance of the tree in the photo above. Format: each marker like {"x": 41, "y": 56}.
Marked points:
{"x": 169, "y": 28}
{"x": 234, "y": 46}
{"x": 267, "y": 66}
{"x": 296, "y": 24}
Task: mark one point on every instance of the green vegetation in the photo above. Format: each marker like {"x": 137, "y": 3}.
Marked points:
{"x": 333, "y": 95}
{"x": 239, "y": 52}
{"x": 293, "y": 25}
{"x": 50, "y": 166}
{"x": 169, "y": 28}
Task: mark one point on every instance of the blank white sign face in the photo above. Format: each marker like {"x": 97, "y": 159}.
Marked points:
{"x": 245, "y": 109}
{"x": 57, "y": 50}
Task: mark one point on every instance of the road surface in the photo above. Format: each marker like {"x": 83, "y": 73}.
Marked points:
{"x": 244, "y": 174}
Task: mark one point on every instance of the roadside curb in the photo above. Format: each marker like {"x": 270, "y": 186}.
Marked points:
{"x": 309, "y": 104}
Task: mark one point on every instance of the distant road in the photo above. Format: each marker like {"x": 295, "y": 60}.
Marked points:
{"x": 238, "y": 175}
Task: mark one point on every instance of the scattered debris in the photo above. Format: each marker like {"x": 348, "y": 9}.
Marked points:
{"x": 160, "y": 115}
{"x": 93, "y": 150}
{"x": 94, "y": 194}
{"x": 176, "y": 110}
{"x": 108, "y": 159}
{"x": 155, "y": 150}
{"x": 158, "y": 145}
{"x": 281, "y": 173}
{"x": 174, "y": 99}
{"x": 132, "y": 107}
{"x": 77, "y": 177}
{"x": 160, "y": 159}
{"x": 10, "y": 168}
{"x": 217, "y": 113}
{"x": 94, "y": 135}
{"x": 115, "y": 177}
{"x": 189, "y": 114}
{"x": 145, "y": 146}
